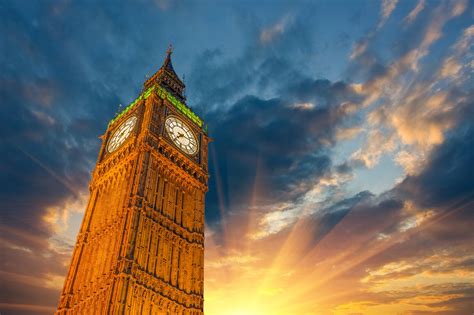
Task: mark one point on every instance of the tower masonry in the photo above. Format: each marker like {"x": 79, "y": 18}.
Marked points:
{"x": 140, "y": 249}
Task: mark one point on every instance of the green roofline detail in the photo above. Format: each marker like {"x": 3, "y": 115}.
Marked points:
{"x": 180, "y": 106}
{"x": 161, "y": 92}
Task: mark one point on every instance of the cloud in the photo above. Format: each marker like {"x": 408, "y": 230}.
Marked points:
{"x": 282, "y": 147}
{"x": 411, "y": 161}
{"x": 446, "y": 177}
{"x": 420, "y": 6}
{"x": 348, "y": 133}
{"x": 407, "y": 114}
{"x": 284, "y": 135}
{"x": 388, "y": 6}
{"x": 303, "y": 106}
{"x": 458, "y": 65}
{"x": 377, "y": 144}
{"x": 408, "y": 275}
{"x": 268, "y": 34}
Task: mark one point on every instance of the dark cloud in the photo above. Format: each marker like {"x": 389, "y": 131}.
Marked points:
{"x": 332, "y": 216}
{"x": 272, "y": 140}
{"x": 448, "y": 176}
{"x": 26, "y": 273}
{"x": 277, "y": 143}
{"x": 273, "y": 56}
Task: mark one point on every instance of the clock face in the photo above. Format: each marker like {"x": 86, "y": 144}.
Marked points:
{"x": 121, "y": 134}
{"x": 181, "y": 135}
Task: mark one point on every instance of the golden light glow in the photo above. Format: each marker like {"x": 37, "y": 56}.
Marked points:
{"x": 344, "y": 272}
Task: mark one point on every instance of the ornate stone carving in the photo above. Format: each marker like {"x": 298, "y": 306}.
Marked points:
{"x": 143, "y": 229}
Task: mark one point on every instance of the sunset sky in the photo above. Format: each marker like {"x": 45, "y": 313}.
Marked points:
{"x": 341, "y": 167}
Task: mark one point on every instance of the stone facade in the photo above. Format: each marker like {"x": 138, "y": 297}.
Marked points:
{"x": 140, "y": 249}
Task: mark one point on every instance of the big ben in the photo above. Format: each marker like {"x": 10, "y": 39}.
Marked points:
{"x": 140, "y": 249}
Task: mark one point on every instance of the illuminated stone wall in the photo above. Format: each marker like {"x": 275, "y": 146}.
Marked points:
{"x": 140, "y": 249}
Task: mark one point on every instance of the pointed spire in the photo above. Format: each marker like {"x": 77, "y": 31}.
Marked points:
{"x": 167, "y": 64}
{"x": 166, "y": 76}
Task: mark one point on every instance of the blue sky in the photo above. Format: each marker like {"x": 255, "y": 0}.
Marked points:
{"x": 337, "y": 124}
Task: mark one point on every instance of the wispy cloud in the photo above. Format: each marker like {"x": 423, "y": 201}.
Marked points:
{"x": 420, "y": 6}
{"x": 269, "y": 34}
{"x": 388, "y": 6}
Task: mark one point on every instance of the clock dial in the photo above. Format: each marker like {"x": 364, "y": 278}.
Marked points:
{"x": 181, "y": 135}
{"x": 121, "y": 134}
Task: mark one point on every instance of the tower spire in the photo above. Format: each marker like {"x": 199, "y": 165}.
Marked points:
{"x": 167, "y": 76}
{"x": 167, "y": 64}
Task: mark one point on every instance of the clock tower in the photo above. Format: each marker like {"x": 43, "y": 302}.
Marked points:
{"x": 140, "y": 249}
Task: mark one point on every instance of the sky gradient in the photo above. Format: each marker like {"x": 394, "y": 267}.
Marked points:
{"x": 341, "y": 167}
